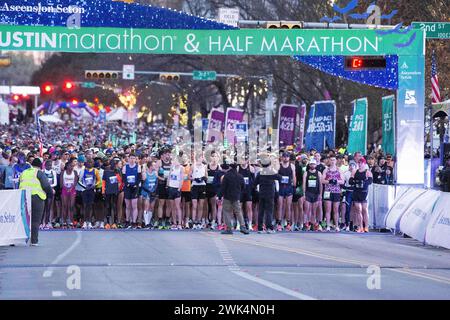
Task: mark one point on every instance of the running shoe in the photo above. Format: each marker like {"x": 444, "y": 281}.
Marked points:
{"x": 84, "y": 225}
{"x": 220, "y": 228}
{"x": 319, "y": 228}
{"x": 328, "y": 229}
{"x": 337, "y": 229}
{"x": 102, "y": 225}
{"x": 347, "y": 229}
{"x": 173, "y": 227}
{"x": 89, "y": 226}
{"x": 260, "y": 231}
{"x": 270, "y": 231}
{"x": 160, "y": 227}
{"x": 114, "y": 226}
{"x": 366, "y": 230}
{"x": 107, "y": 226}
{"x": 255, "y": 227}
{"x": 360, "y": 230}
{"x": 70, "y": 226}
{"x": 41, "y": 227}
{"x": 288, "y": 227}
{"x": 323, "y": 224}
{"x": 279, "y": 228}
{"x": 179, "y": 227}
{"x": 49, "y": 226}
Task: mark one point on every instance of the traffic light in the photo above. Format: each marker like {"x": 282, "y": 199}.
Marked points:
{"x": 100, "y": 74}
{"x": 284, "y": 25}
{"x": 16, "y": 97}
{"x": 169, "y": 77}
{"x": 69, "y": 85}
{"x": 47, "y": 88}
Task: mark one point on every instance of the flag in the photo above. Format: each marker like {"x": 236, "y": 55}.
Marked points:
{"x": 434, "y": 80}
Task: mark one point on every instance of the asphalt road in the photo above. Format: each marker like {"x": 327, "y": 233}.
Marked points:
{"x": 207, "y": 265}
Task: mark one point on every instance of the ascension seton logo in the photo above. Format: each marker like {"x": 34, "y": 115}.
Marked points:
{"x": 39, "y": 9}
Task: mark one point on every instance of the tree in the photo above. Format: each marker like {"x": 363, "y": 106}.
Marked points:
{"x": 20, "y": 71}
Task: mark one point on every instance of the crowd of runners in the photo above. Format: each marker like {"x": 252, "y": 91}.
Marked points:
{"x": 151, "y": 186}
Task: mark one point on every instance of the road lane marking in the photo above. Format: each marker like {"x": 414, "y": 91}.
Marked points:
{"x": 422, "y": 275}
{"x": 57, "y": 294}
{"x": 49, "y": 272}
{"x": 404, "y": 269}
{"x": 235, "y": 269}
{"x": 351, "y": 275}
{"x": 274, "y": 286}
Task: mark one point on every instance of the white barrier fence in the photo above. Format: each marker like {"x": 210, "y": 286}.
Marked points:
{"x": 419, "y": 213}
{"x": 15, "y": 217}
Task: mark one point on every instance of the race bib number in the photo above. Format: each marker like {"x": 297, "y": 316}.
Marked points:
{"x": 284, "y": 179}
{"x": 312, "y": 183}
{"x": 327, "y": 195}
{"x": 131, "y": 179}
{"x": 211, "y": 179}
{"x": 68, "y": 185}
{"x": 360, "y": 185}
{"x": 246, "y": 180}
{"x": 89, "y": 181}
{"x": 174, "y": 177}
{"x": 166, "y": 173}
{"x": 186, "y": 178}
{"x": 113, "y": 180}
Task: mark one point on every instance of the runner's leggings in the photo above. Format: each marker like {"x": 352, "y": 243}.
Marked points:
{"x": 111, "y": 207}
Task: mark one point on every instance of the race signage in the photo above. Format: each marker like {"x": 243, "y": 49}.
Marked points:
{"x": 205, "y": 42}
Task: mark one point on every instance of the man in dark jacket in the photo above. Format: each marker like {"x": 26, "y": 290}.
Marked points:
{"x": 232, "y": 185}
{"x": 444, "y": 176}
{"x": 265, "y": 182}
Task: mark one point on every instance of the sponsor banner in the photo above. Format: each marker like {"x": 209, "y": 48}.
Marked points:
{"x": 380, "y": 202}
{"x": 201, "y": 42}
{"x": 286, "y": 124}
{"x": 416, "y": 218}
{"x": 321, "y": 126}
{"x": 301, "y": 135}
{"x": 410, "y": 120}
{"x": 15, "y": 217}
{"x": 234, "y": 116}
{"x": 438, "y": 228}
{"x": 388, "y": 124}
{"x": 400, "y": 206}
{"x": 215, "y": 126}
{"x": 357, "y": 136}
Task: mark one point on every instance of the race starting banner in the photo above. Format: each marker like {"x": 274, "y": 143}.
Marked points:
{"x": 286, "y": 124}
{"x": 15, "y": 217}
{"x": 321, "y": 126}
{"x": 388, "y": 118}
{"x": 357, "y": 136}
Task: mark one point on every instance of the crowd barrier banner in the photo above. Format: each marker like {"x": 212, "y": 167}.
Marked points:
{"x": 380, "y": 202}
{"x": 415, "y": 220}
{"x": 15, "y": 217}
{"x": 400, "y": 206}
{"x": 438, "y": 228}
{"x": 371, "y": 204}
{"x": 400, "y": 191}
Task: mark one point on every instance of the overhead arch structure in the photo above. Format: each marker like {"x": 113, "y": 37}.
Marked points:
{"x": 113, "y": 27}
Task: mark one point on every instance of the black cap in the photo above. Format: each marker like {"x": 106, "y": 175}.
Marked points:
{"x": 36, "y": 163}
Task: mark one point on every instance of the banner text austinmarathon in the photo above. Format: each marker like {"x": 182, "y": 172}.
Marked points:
{"x": 204, "y": 42}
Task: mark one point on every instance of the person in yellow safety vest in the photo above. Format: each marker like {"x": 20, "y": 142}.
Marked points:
{"x": 36, "y": 181}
